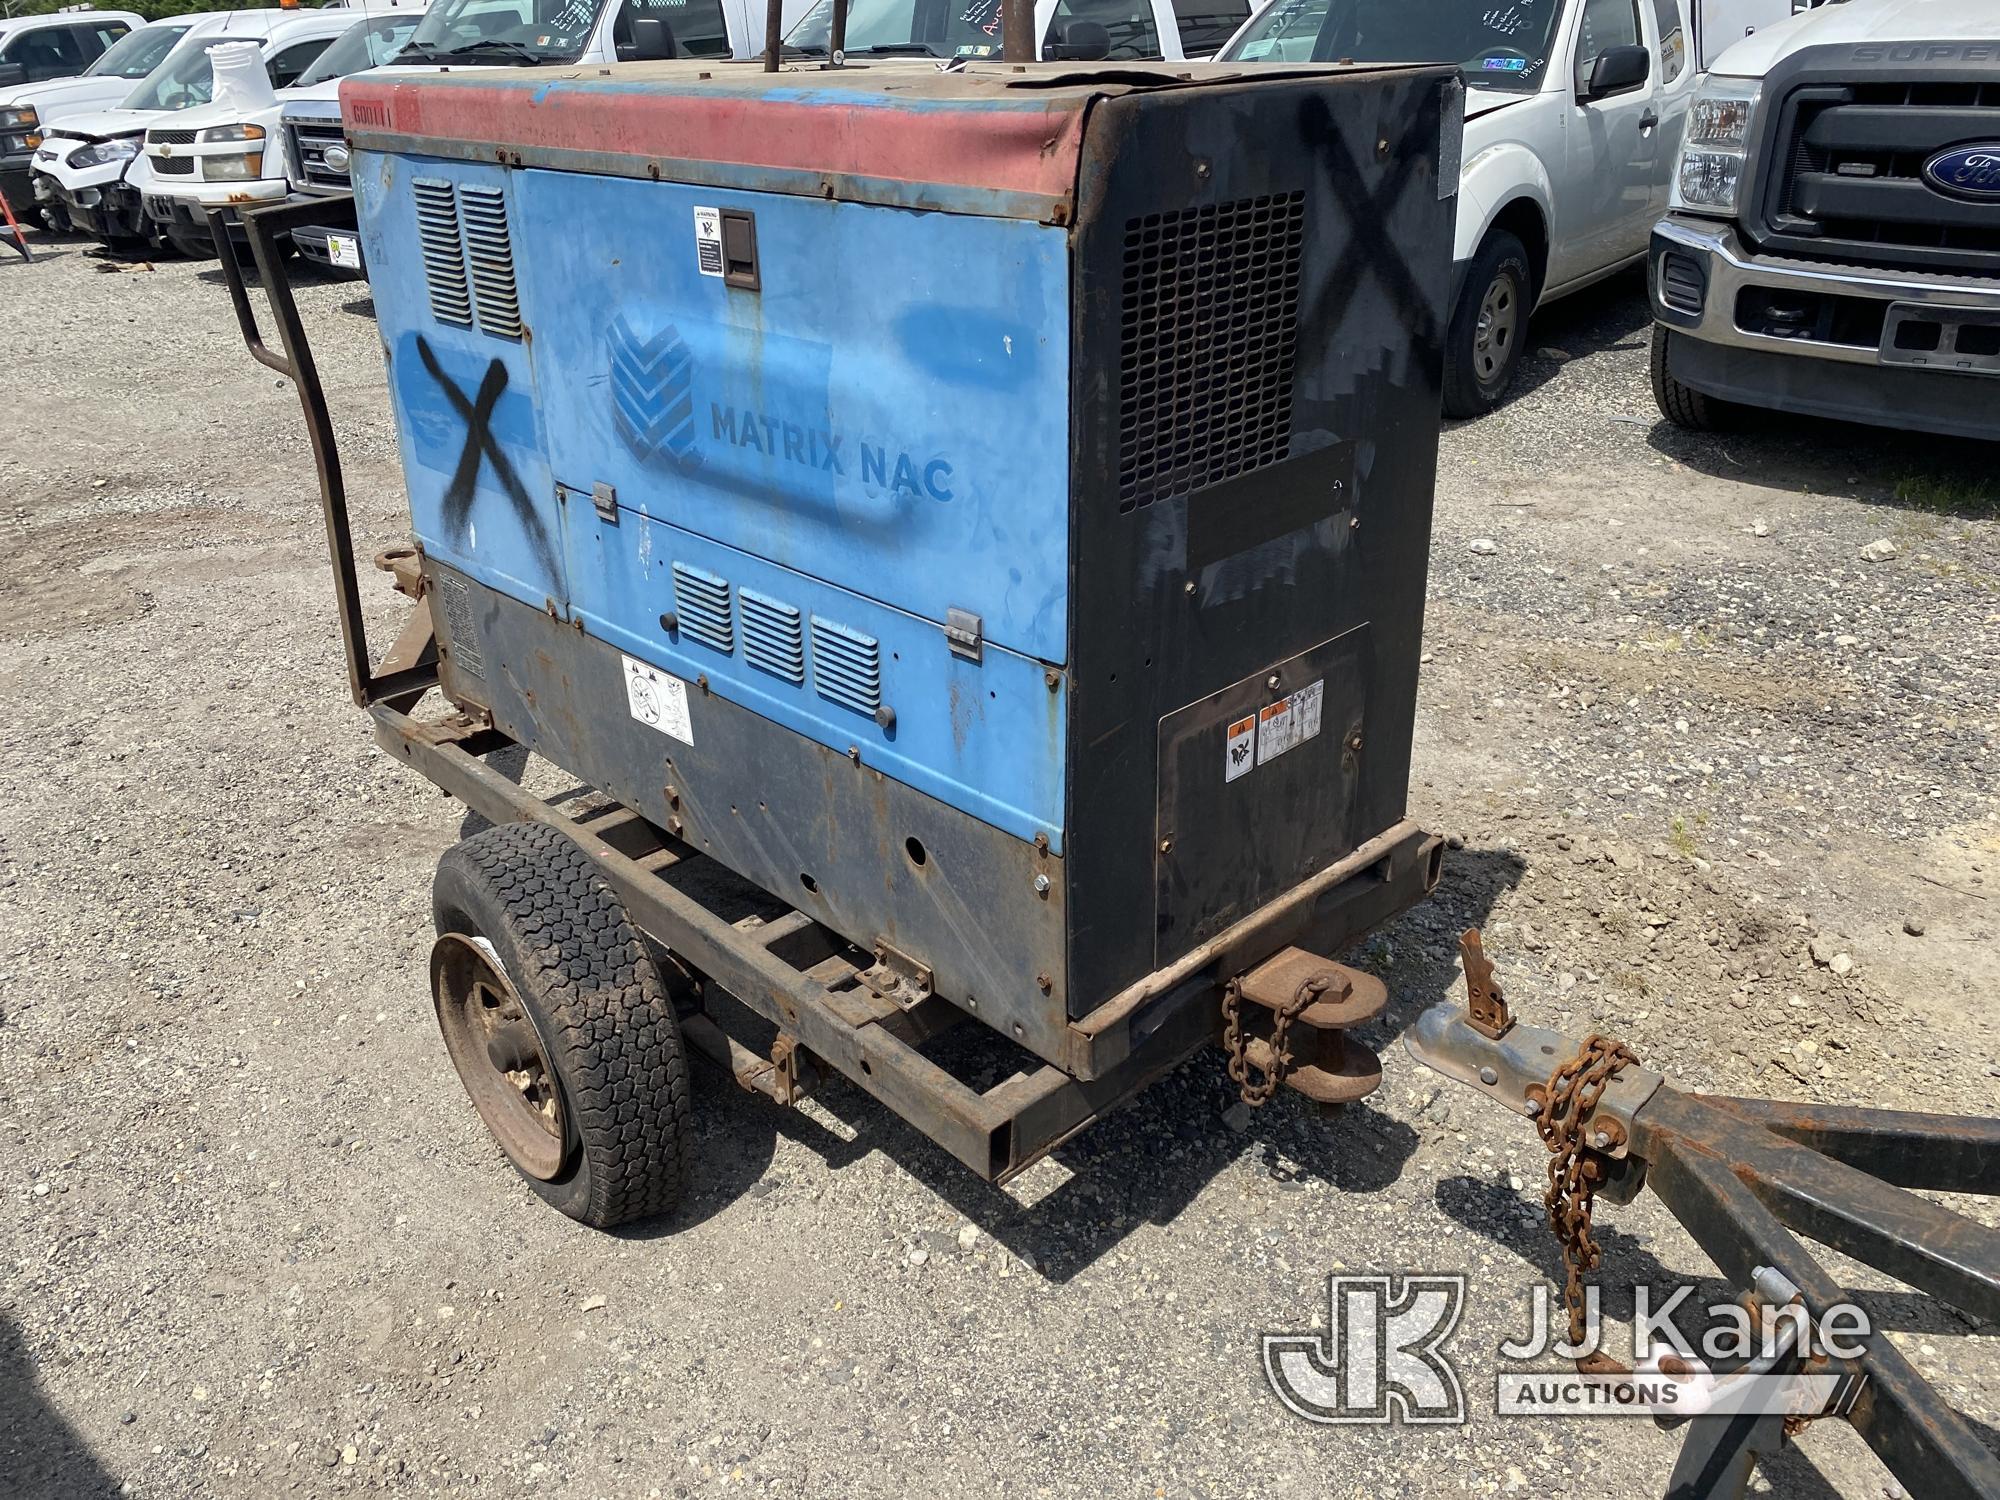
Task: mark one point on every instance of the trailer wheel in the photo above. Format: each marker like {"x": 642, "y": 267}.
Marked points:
{"x": 554, "y": 1016}
{"x": 1683, "y": 405}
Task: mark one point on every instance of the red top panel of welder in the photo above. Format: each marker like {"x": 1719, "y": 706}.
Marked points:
{"x": 978, "y": 128}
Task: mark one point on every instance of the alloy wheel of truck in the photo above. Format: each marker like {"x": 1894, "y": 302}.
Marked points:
{"x": 555, "y": 1017}
{"x": 1683, "y": 405}
{"x": 1488, "y": 327}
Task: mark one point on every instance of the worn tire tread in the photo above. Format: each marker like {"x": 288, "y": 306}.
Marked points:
{"x": 1683, "y": 405}
{"x": 565, "y": 940}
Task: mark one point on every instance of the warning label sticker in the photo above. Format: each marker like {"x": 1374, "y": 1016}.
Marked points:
{"x": 1289, "y": 722}
{"x": 708, "y": 241}
{"x": 1239, "y": 744}
{"x": 659, "y": 699}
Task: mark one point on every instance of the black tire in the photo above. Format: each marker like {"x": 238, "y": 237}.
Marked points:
{"x": 1682, "y": 405}
{"x": 589, "y": 985}
{"x": 1479, "y": 364}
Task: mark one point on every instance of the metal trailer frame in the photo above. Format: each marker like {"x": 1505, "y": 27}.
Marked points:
{"x": 792, "y": 971}
{"x": 1747, "y": 1178}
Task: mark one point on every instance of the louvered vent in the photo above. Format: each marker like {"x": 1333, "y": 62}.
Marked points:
{"x": 772, "y": 639}
{"x": 489, "y": 250}
{"x": 444, "y": 254}
{"x": 847, "y": 666}
{"x": 1208, "y": 344}
{"x": 702, "y": 603}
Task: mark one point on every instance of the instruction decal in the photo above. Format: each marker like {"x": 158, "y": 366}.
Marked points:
{"x": 1289, "y": 722}
{"x": 708, "y": 241}
{"x": 1239, "y": 745}
{"x": 659, "y": 699}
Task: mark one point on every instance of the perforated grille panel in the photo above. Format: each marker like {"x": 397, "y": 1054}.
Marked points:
{"x": 444, "y": 254}
{"x": 1209, "y": 340}
{"x": 702, "y": 603}
{"x": 773, "y": 640}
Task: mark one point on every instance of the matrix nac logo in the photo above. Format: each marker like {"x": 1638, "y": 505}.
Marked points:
{"x": 652, "y": 394}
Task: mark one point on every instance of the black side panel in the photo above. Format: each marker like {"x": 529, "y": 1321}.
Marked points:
{"x": 1252, "y": 476}
{"x": 1261, "y": 754}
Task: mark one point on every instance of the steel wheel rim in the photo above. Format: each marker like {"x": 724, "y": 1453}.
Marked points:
{"x": 498, "y": 1054}
{"x": 1499, "y": 321}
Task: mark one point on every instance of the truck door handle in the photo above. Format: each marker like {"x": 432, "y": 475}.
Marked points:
{"x": 1649, "y": 119}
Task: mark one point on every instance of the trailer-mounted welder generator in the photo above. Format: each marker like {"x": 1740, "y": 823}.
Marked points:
{"x": 986, "y": 509}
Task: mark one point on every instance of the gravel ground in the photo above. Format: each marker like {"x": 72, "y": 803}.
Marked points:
{"x": 1719, "y": 777}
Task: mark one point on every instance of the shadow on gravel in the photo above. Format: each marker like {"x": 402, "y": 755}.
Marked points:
{"x": 1877, "y": 465}
{"x": 1142, "y": 1165}
{"x": 41, "y": 1456}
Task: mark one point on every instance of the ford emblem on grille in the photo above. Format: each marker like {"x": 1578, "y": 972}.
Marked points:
{"x": 1967, "y": 172}
{"x": 335, "y": 158}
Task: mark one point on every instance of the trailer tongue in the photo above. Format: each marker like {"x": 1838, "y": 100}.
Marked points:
{"x": 1747, "y": 1178}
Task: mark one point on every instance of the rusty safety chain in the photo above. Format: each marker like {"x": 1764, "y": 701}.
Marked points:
{"x": 1576, "y": 1170}
{"x": 1237, "y": 1045}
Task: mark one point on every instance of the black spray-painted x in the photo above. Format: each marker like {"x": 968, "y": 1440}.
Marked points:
{"x": 482, "y": 447}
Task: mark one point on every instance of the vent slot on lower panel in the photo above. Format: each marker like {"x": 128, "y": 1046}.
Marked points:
{"x": 772, "y": 638}
{"x": 489, "y": 251}
{"x": 847, "y": 666}
{"x": 701, "y": 603}
{"x": 1208, "y": 344}
{"x": 443, "y": 251}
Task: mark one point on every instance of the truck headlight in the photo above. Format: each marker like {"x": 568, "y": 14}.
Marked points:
{"x": 104, "y": 153}
{"x": 233, "y": 168}
{"x": 233, "y": 133}
{"x": 1708, "y": 177}
{"x": 19, "y": 117}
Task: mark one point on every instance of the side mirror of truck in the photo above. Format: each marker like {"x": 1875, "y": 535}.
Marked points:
{"x": 1080, "y": 41}
{"x": 652, "y": 39}
{"x": 1618, "y": 70}
{"x": 13, "y": 73}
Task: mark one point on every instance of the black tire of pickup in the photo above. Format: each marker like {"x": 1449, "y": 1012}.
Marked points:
{"x": 1683, "y": 405}
{"x": 1480, "y": 361}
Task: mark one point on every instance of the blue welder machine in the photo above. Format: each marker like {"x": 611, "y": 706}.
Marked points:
{"x": 970, "y": 527}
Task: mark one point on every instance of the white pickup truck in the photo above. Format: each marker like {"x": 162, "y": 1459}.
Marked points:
{"x": 512, "y": 33}
{"x": 1834, "y": 245}
{"x": 1573, "y": 113}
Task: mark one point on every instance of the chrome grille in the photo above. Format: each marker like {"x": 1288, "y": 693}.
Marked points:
{"x": 309, "y": 143}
